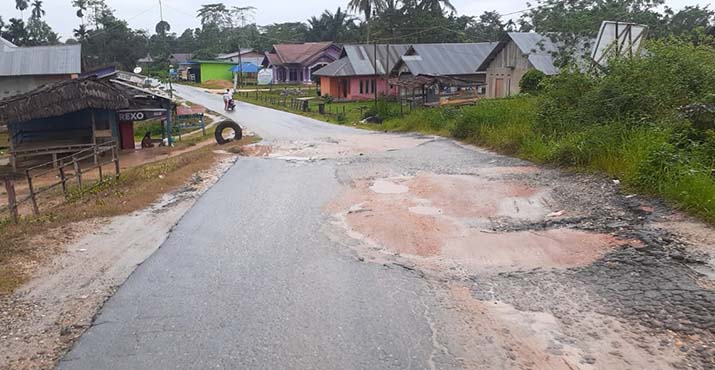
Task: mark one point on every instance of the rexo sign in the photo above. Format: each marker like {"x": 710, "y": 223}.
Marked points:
{"x": 140, "y": 115}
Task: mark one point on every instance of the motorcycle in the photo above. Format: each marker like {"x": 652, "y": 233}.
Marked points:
{"x": 231, "y": 106}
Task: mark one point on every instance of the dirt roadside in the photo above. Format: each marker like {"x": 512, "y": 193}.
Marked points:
{"x": 90, "y": 259}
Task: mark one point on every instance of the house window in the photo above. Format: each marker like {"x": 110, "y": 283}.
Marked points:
{"x": 372, "y": 86}
{"x": 293, "y": 74}
{"x": 361, "y": 90}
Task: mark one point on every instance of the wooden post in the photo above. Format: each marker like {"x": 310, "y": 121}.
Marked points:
{"x": 94, "y": 137}
{"x": 100, "y": 172}
{"x": 64, "y": 179}
{"x": 11, "y": 201}
{"x": 115, "y": 158}
{"x": 77, "y": 172}
{"x": 33, "y": 198}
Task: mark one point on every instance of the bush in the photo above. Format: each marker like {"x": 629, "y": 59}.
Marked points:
{"x": 530, "y": 83}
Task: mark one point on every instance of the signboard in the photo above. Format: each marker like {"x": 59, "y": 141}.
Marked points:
{"x": 141, "y": 115}
{"x": 265, "y": 76}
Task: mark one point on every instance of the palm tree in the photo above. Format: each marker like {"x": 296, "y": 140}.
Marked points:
{"x": 244, "y": 13}
{"x": 330, "y": 26}
{"x": 21, "y": 5}
{"x": 37, "y": 11}
{"x": 162, "y": 27}
{"x": 81, "y": 32}
{"x": 366, "y": 7}
{"x": 436, "y": 6}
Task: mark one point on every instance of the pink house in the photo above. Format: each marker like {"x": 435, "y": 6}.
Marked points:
{"x": 360, "y": 73}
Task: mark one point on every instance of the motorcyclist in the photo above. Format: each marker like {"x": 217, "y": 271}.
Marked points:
{"x": 227, "y": 99}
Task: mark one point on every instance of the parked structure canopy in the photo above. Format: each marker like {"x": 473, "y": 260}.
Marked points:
{"x": 61, "y": 98}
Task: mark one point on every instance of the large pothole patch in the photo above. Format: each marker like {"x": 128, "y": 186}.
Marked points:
{"x": 449, "y": 218}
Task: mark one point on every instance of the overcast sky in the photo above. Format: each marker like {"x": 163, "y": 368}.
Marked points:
{"x": 181, "y": 13}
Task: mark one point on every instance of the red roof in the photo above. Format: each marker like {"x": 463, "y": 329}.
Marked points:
{"x": 296, "y": 53}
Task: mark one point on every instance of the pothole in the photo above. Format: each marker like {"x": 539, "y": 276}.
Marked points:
{"x": 448, "y": 217}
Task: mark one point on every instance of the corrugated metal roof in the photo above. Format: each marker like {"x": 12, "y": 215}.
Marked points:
{"x": 4, "y": 44}
{"x": 340, "y": 67}
{"x": 234, "y": 54}
{"x": 540, "y": 50}
{"x": 447, "y": 59}
{"x": 359, "y": 60}
{"x": 41, "y": 60}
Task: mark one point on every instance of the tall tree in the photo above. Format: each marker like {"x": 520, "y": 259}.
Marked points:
{"x": 37, "y": 11}
{"x": 15, "y": 32}
{"x": 366, "y": 7}
{"x": 162, "y": 27}
{"x": 336, "y": 27}
{"x": 81, "y": 6}
{"x": 489, "y": 27}
{"x": 21, "y": 5}
{"x": 244, "y": 14}
{"x": 214, "y": 14}
{"x": 437, "y": 6}
{"x": 113, "y": 43}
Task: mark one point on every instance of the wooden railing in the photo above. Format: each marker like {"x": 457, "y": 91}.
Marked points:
{"x": 67, "y": 169}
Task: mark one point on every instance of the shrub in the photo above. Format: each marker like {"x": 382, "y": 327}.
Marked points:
{"x": 530, "y": 83}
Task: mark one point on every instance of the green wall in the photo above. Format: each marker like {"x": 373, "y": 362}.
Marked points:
{"x": 216, "y": 71}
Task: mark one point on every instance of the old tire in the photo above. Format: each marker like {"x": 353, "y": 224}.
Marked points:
{"x": 226, "y": 125}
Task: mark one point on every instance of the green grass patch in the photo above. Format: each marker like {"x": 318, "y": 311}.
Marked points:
{"x": 639, "y": 155}
{"x": 335, "y": 112}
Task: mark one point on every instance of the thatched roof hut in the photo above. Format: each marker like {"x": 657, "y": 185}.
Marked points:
{"x": 56, "y": 99}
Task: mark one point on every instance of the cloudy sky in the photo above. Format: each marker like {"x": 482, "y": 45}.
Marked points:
{"x": 181, "y": 13}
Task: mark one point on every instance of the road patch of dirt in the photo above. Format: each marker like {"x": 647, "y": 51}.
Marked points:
{"x": 557, "y": 270}
{"x": 338, "y": 146}
{"x": 448, "y": 217}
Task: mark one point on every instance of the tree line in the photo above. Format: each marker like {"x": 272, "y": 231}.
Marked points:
{"x": 107, "y": 39}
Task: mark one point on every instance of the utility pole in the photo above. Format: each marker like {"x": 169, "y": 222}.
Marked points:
{"x": 387, "y": 71}
{"x": 374, "y": 66}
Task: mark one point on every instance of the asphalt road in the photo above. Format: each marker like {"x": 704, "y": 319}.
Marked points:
{"x": 249, "y": 280}
{"x": 269, "y": 124}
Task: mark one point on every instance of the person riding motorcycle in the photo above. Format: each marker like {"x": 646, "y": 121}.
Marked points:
{"x": 228, "y": 103}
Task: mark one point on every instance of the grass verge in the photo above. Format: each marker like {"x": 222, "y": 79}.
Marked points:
{"x": 336, "y": 112}
{"x": 641, "y": 157}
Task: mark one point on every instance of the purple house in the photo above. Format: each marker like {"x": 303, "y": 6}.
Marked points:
{"x": 295, "y": 63}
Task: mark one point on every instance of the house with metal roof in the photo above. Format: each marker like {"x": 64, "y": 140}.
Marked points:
{"x": 518, "y": 53}
{"x": 435, "y": 73}
{"x": 295, "y": 63}
{"x": 23, "y": 69}
{"x": 456, "y": 60}
{"x": 361, "y": 72}
{"x": 246, "y": 55}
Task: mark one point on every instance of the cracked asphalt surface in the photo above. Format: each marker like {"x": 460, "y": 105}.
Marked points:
{"x": 247, "y": 280}
{"x": 290, "y": 263}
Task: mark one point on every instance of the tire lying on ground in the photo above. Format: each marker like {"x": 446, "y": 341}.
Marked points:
{"x": 227, "y": 125}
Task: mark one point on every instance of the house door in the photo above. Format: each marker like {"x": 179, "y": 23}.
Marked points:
{"x": 126, "y": 135}
{"x": 498, "y": 87}
{"x": 345, "y": 87}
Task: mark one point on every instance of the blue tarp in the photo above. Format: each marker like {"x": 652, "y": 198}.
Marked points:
{"x": 245, "y": 67}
